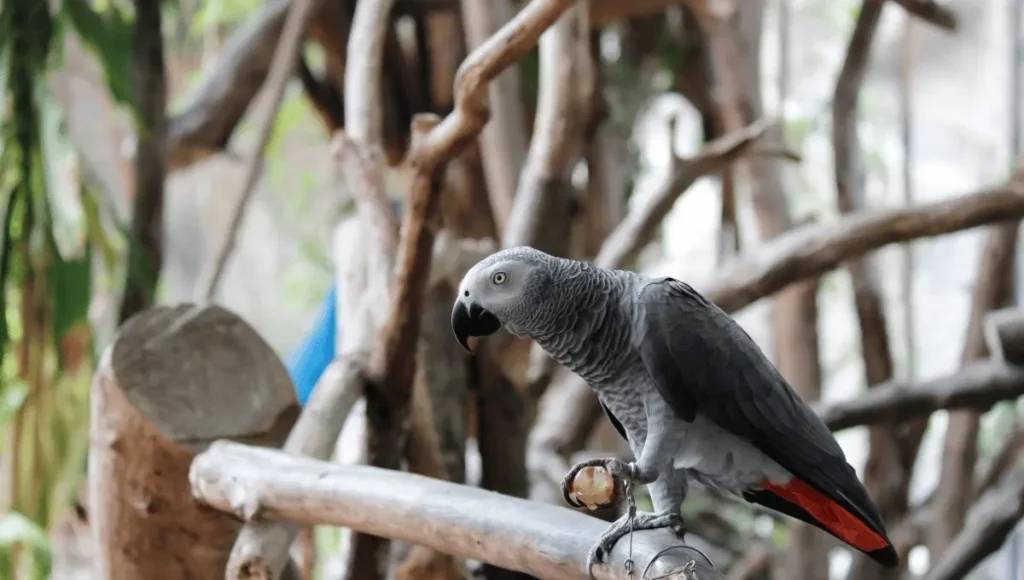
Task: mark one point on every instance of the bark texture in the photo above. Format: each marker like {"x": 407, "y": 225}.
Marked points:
{"x": 464, "y": 521}
{"x": 167, "y": 386}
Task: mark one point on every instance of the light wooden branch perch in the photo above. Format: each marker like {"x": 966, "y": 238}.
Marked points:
{"x": 538, "y": 539}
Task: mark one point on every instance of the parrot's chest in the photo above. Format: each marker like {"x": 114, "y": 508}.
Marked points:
{"x": 628, "y": 401}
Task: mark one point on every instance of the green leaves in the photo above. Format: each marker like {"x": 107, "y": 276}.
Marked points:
{"x": 16, "y": 529}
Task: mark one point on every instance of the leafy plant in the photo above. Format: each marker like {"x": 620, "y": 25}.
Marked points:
{"x": 46, "y": 274}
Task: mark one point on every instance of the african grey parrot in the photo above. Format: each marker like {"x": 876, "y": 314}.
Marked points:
{"x": 683, "y": 383}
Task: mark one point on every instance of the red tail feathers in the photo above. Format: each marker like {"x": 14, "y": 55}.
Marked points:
{"x": 829, "y": 514}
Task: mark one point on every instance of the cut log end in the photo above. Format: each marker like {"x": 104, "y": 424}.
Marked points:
{"x": 175, "y": 378}
{"x": 594, "y": 487}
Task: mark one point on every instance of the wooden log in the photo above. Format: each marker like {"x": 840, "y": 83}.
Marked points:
{"x": 468, "y": 522}
{"x": 174, "y": 379}
{"x": 1004, "y": 335}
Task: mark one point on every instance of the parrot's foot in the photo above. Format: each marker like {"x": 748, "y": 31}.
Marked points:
{"x": 621, "y": 527}
{"x": 620, "y": 471}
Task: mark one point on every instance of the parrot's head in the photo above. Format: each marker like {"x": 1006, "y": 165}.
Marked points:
{"x": 506, "y": 289}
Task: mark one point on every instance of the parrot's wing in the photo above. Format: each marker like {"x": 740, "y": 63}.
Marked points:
{"x": 702, "y": 361}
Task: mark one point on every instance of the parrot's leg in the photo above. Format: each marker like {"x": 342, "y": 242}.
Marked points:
{"x": 621, "y": 528}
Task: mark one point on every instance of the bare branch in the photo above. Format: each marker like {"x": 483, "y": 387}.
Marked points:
{"x": 566, "y": 78}
{"x": 930, "y": 11}
{"x": 815, "y": 249}
{"x": 219, "y": 101}
{"x": 146, "y": 250}
{"x": 392, "y": 365}
{"x": 543, "y": 540}
{"x": 261, "y": 549}
{"x": 993, "y": 288}
{"x": 977, "y": 386}
{"x": 503, "y": 139}
{"x": 507, "y": 46}
{"x": 892, "y": 452}
{"x": 640, "y": 226}
{"x": 1004, "y": 336}
{"x": 281, "y": 69}
{"x": 1004, "y": 460}
{"x": 989, "y": 523}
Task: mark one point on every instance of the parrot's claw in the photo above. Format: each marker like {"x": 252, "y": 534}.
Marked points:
{"x": 619, "y": 469}
{"x": 621, "y": 528}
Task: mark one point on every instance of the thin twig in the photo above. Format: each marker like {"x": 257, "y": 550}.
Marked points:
{"x": 281, "y": 69}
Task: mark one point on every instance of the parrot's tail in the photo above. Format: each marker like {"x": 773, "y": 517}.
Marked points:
{"x": 801, "y": 501}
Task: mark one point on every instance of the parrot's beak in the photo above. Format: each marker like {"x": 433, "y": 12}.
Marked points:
{"x": 472, "y": 320}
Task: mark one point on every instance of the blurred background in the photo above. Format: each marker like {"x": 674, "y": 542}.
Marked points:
{"x": 938, "y": 117}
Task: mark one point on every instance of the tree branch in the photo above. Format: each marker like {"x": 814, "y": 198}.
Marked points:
{"x": 977, "y": 386}
{"x": 543, "y": 540}
{"x": 281, "y": 69}
{"x": 891, "y": 453}
{"x": 503, "y": 140}
{"x": 434, "y": 142}
{"x": 1004, "y": 336}
{"x": 261, "y": 549}
{"x": 989, "y": 523}
{"x": 993, "y": 288}
{"x": 566, "y": 77}
{"x": 146, "y": 250}
{"x": 931, "y": 12}
{"x": 639, "y": 227}
{"x": 815, "y": 249}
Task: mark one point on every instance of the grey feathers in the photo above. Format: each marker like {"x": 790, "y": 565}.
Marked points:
{"x": 702, "y": 361}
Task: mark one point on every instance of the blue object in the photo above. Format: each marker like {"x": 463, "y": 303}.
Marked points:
{"x": 310, "y": 360}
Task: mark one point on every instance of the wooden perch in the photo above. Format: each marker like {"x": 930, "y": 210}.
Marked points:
{"x": 1004, "y": 335}
{"x": 978, "y": 386}
{"x": 538, "y": 539}
{"x": 261, "y": 550}
{"x": 988, "y": 524}
{"x": 815, "y": 249}
{"x": 174, "y": 379}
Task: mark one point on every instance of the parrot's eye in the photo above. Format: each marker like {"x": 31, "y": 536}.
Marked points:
{"x": 498, "y": 278}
